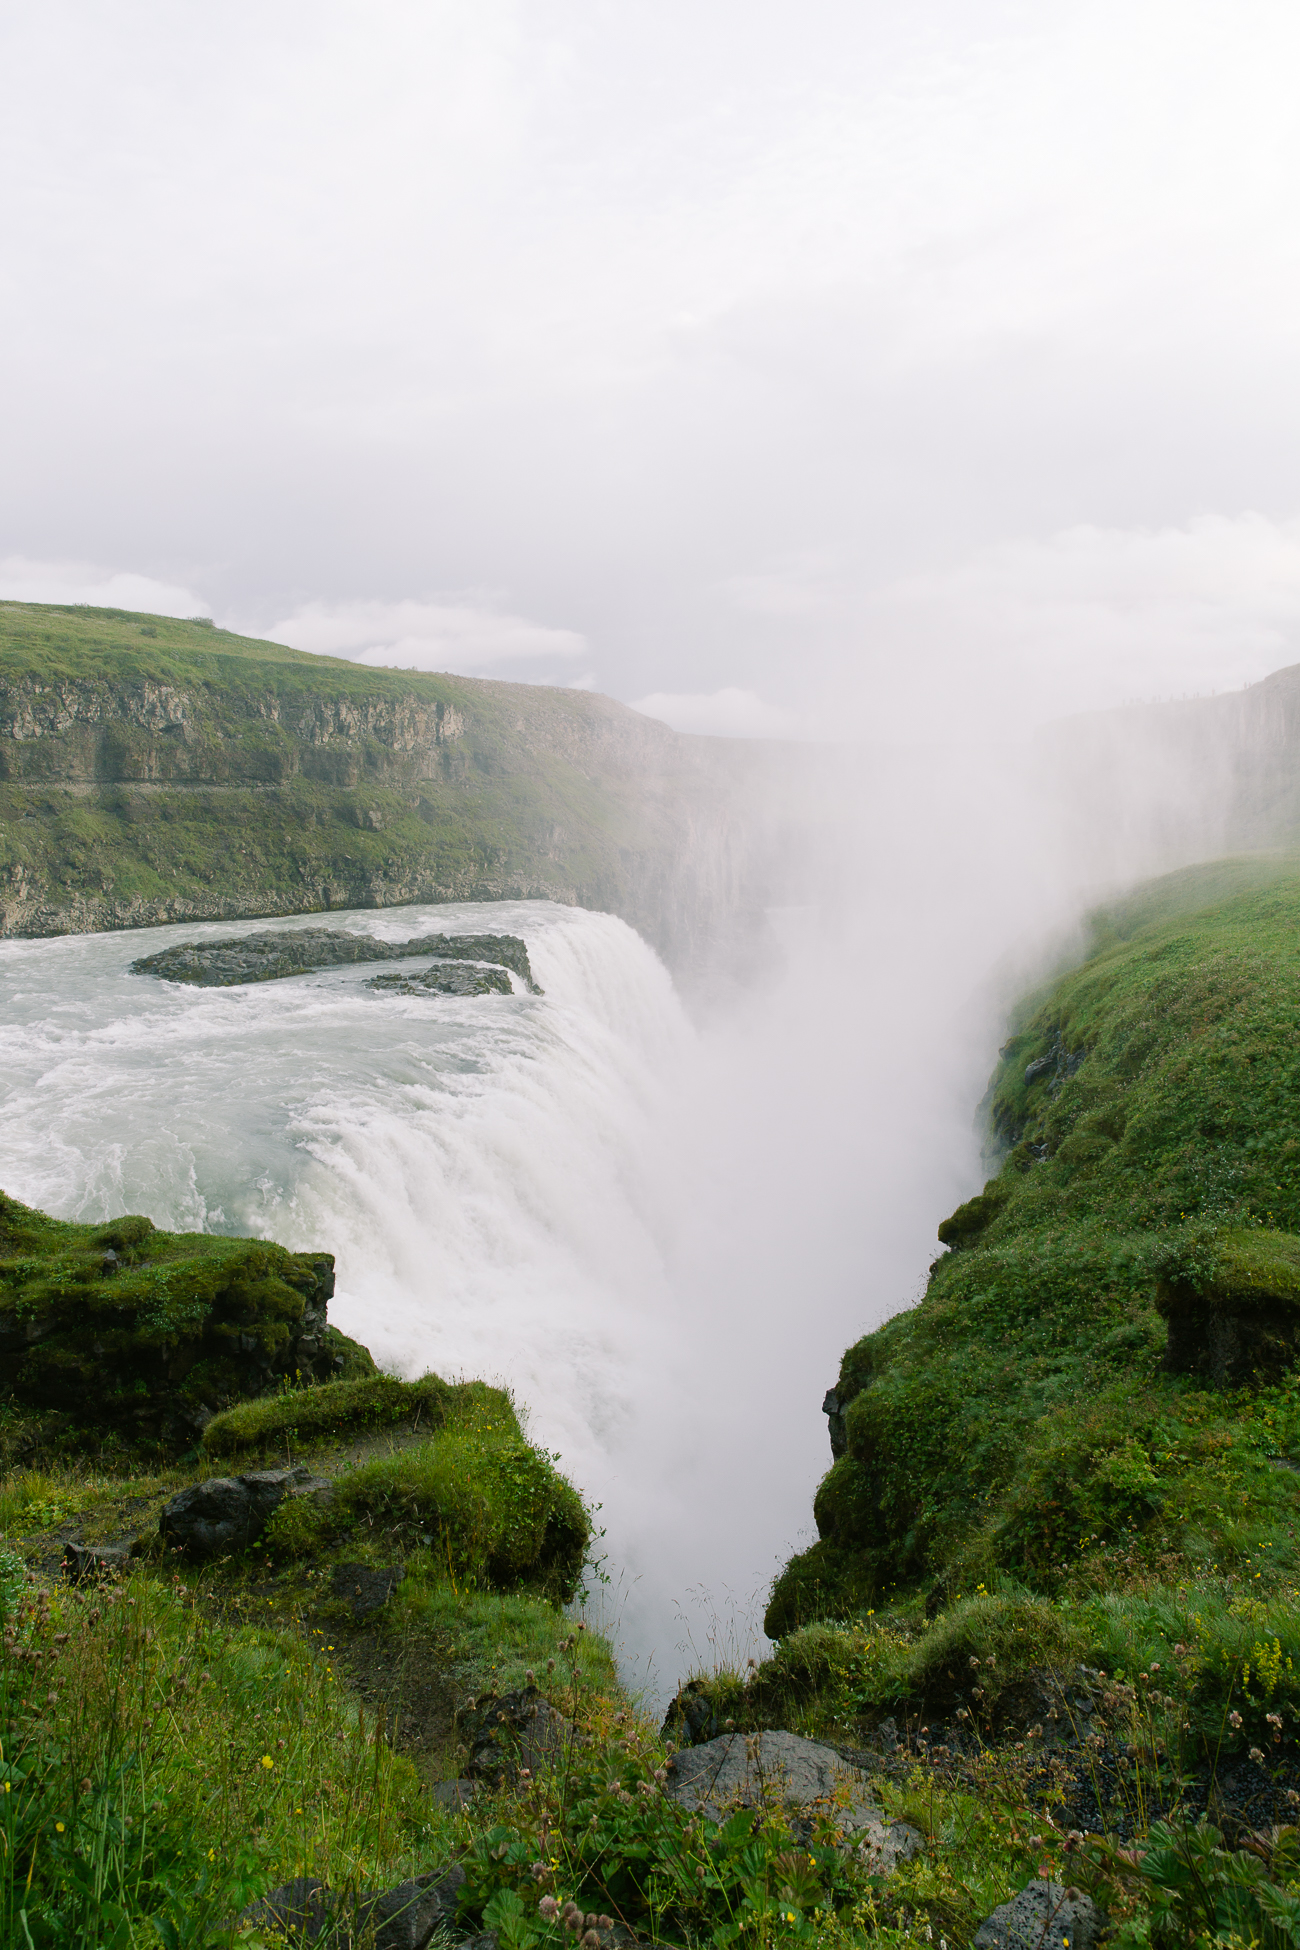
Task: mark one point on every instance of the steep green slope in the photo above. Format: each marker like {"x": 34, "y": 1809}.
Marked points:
{"x": 158, "y": 770}
{"x": 1097, "y": 1388}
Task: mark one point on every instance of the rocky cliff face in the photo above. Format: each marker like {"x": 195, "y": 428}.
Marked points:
{"x": 153, "y": 770}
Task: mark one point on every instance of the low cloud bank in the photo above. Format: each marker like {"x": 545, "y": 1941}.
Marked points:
{"x": 23, "y": 580}
{"x": 458, "y": 636}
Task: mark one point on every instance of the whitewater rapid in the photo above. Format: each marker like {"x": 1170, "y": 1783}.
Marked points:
{"x": 471, "y": 1161}
{"x": 660, "y": 1237}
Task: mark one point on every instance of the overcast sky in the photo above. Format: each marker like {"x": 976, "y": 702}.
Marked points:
{"x": 779, "y": 367}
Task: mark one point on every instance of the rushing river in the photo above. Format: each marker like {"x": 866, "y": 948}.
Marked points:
{"x": 659, "y": 1237}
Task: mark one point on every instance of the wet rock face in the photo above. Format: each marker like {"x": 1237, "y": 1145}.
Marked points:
{"x": 278, "y": 953}
{"x": 447, "y": 978}
{"x": 227, "y": 1513}
{"x": 833, "y": 1409}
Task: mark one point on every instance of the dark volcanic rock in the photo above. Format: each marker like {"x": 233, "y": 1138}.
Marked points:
{"x": 281, "y": 952}
{"x": 447, "y": 978}
{"x": 299, "y": 1911}
{"x": 367, "y": 1589}
{"x": 306, "y": 1911}
{"x": 226, "y": 1513}
{"x": 1044, "y": 1916}
{"x": 405, "y": 1918}
{"x": 511, "y": 1730}
{"x": 94, "y": 1560}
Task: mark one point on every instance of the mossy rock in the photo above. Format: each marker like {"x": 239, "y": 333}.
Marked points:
{"x": 1241, "y": 1321}
{"x": 142, "y": 1335}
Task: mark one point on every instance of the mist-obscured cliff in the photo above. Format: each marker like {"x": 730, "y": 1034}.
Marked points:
{"x": 157, "y": 770}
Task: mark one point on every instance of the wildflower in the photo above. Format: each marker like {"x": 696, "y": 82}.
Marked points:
{"x": 1274, "y": 1720}
{"x": 267, "y": 1761}
{"x": 1257, "y": 1755}
{"x": 590, "y": 1941}
{"x": 58, "y": 1827}
{"x": 548, "y": 1908}
{"x": 1292, "y": 1797}
{"x": 1234, "y": 1720}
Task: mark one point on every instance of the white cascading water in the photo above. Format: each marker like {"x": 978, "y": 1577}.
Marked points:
{"x": 660, "y": 1236}
{"x": 491, "y": 1173}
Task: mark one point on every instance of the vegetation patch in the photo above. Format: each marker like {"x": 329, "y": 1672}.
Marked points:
{"x": 122, "y": 1333}
{"x": 300, "y": 1418}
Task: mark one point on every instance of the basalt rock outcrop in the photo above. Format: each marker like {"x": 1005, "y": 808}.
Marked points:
{"x": 226, "y": 1513}
{"x": 445, "y": 978}
{"x": 277, "y": 954}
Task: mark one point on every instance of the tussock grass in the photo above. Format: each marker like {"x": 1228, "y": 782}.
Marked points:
{"x": 157, "y": 1763}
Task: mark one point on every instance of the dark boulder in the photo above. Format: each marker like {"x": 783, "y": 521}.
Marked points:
{"x": 82, "y": 1561}
{"x": 225, "y": 1513}
{"x": 507, "y": 1731}
{"x": 307, "y": 1911}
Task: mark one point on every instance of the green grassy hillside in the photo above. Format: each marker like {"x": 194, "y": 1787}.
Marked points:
{"x": 156, "y": 770}
{"x": 1097, "y": 1385}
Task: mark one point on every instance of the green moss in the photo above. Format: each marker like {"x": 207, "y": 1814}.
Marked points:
{"x": 487, "y": 1504}
{"x": 138, "y": 1334}
{"x": 307, "y": 1416}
